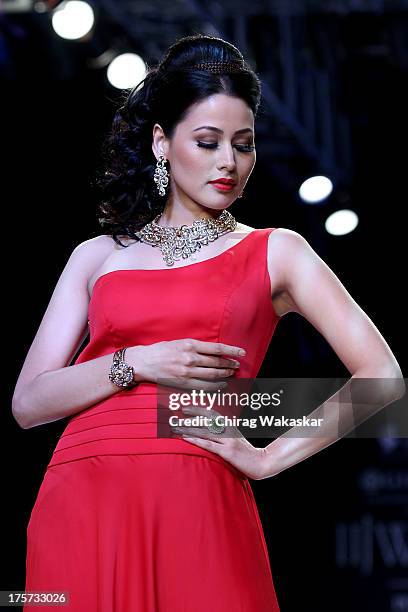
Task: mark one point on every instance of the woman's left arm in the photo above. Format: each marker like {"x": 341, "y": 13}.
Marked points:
{"x": 318, "y": 295}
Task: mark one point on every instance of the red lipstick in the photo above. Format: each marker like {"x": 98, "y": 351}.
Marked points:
{"x": 223, "y": 184}
{"x": 225, "y": 181}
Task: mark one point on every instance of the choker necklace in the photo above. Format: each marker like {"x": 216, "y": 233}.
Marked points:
{"x": 182, "y": 241}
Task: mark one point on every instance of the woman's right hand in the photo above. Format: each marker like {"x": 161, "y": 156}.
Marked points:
{"x": 187, "y": 363}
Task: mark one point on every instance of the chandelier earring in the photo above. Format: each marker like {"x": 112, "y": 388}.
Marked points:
{"x": 161, "y": 175}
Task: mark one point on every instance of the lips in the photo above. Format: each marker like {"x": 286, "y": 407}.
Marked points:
{"x": 222, "y": 186}
{"x": 224, "y": 181}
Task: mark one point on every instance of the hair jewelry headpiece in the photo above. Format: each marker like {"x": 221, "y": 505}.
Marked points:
{"x": 221, "y": 66}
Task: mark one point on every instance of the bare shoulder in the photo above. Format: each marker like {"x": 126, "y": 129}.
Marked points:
{"x": 98, "y": 244}
{"x": 285, "y": 235}
{"x": 287, "y": 250}
{"x": 88, "y": 255}
{"x": 95, "y": 249}
{"x": 285, "y": 244}
{"x": 280, "y": 234}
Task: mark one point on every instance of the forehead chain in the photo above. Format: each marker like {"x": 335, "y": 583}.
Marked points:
{"x": 221, "y": 66}
{"x": 234, "y": 65}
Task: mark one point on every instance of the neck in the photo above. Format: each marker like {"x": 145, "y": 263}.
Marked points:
{"x": 176, "y": 217}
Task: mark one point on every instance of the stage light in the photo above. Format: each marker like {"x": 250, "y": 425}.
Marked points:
{"x": 341, "y": 222}
{"x": 315, "y": 189}
{"x": 126, "y": 70}
{"x": 73, "y": 19}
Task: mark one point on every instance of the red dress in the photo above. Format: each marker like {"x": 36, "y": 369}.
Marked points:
{"x": 126, "y": 521}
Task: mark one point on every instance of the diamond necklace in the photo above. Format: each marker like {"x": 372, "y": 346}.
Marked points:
{"x": 180, "y": 242}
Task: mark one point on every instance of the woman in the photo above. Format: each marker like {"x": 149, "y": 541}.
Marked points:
{"x": 126, "y": 520}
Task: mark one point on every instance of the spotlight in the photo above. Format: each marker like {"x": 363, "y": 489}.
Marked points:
{"x": 341, "y": 222}
{"x": 316, "y": 189}
{"x": 126, "y": 70}
{"x": 73, "y": 19}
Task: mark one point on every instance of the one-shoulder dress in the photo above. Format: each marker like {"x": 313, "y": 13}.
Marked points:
{"x": 126, "y": 521}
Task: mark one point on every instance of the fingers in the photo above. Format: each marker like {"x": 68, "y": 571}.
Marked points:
{"x": 206, "y": 361}
{"x": 213, "y": 374}
{"x": 218, "y": 348}
{"x": 197, "y": 432}
{"x": 192, "y": 357}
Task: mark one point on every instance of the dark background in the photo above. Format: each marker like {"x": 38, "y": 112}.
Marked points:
{"x": 335, "y": 524}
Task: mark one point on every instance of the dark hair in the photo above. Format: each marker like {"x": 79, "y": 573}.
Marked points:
{"x": 129, "y": 195}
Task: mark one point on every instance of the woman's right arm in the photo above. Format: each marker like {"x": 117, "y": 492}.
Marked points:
{"x": 56, "y": 394}
{"x": 48, "y": 388}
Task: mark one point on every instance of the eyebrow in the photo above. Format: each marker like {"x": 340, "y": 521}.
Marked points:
{"x": 214, "y": 129}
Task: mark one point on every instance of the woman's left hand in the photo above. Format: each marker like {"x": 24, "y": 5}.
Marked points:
{"x": 231, "y": 445}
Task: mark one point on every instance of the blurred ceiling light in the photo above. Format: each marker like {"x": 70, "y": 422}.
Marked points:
{"x": 315, "y": 189}
{"x": 341, "y": 222}
{"x": 73, "y": 19}
{"x": 126, "y": 70}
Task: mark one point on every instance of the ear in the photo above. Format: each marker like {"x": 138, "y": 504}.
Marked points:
{"x": 159, "y": 143}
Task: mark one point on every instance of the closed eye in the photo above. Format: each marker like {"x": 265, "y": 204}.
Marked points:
{"x": 213, "y": 145}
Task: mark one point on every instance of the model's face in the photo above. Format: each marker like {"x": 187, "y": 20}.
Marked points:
{"x": 198, "y": 155}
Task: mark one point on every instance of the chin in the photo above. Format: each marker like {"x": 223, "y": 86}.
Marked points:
{"x": 214, "y": 207}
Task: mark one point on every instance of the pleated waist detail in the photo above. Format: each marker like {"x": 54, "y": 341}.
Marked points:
{"x": 124, "y": 424}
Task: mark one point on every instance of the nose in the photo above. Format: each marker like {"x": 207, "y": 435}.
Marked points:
{"x": 227, "y": 158}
